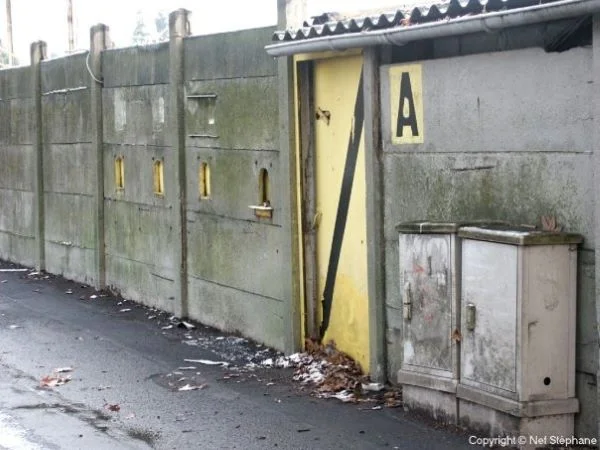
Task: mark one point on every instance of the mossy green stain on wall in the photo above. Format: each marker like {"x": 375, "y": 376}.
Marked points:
{"x": 518, "y": 189}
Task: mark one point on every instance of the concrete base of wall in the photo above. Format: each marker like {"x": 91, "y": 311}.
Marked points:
{"x": 442, "y": 406}
{"x": 537, "y": 431}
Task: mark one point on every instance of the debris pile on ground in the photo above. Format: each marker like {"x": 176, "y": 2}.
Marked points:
{"x": 333, "y": 374}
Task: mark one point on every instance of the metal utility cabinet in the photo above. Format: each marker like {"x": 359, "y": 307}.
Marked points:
{"x": 518, "y": 305}
{"x": 428, "y": 283}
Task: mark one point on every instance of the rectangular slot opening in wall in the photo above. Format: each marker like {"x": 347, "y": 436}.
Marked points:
{"x": 264, "y": 208}
{"x": 158, "y": 177}
{"x": 119, "y": 173}
{"x": 204, "y": 180}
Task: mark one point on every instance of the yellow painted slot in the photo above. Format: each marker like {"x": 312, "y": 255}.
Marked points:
{"x": 158, "y": 177}
{"x": 204, "y": 177}
{"x": 119, "y": 172}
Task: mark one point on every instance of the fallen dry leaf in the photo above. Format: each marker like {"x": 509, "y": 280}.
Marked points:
{"x": 54, "y": 380}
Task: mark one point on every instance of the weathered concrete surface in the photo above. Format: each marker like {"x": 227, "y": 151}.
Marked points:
{"x": 139, "y": 225}
{"x": 135, "y": 66}
{"x": 237, "y": 54}
{"x": 66, "y": 116}
{"x": 69, "y": 71}
{"x": 233, "y": 310}
{"x": 240, "y": 254}
{"x": 231, "y": 198}
{"x": 505, "y": 103}
{"x": 67, "y": 168}
{"x": 520, "y": 148}
{"x": 15, "y": 83}
{"x": 138, "y": 167}
{"x": 145, "y": 283}
{"x": 245, "y": 114}
{"x": 18, "y": 126}
{"x": 136, "y": 115}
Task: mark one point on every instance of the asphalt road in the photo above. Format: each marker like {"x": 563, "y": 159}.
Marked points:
{"x": 127, "y": 368}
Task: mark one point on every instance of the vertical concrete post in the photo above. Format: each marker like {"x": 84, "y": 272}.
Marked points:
{"x": 289, "y": 14}
{"x": 179, "y": 28}
{"x": 375, "y": 236}
{"x": 596, "y": 146}
{"x": 99, "y": 41}
{"x": 38, "y": 53}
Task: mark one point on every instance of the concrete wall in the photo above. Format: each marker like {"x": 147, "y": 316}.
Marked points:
{"x": 140, "y": 240}
{"x": 17, "y": 235}
{"x": 68, "y": 168}
{"x": 233, "y": 256}
{"x": 503, "y": 139}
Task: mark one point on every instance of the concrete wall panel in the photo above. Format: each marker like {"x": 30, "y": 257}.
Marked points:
{"x": 244, "y": 115}
{"x": 17, "y": 125}
{"x": 231, "y": 310}
{"x": 234, "y": 182}
{"x": 74, "y": 263}
{"x": 68, "y": 169}
{"x": 66, "y": 72}
{"x": 17, "y": 212}
{"x": 141, "y": 233}
{"x": 229, "y": 55}
{"x": 136, "y": 115}
{"x": 134, "y": 66}
{"x": 503, "y": 102}
{"x": 516, "y": 187}
{"x": 67, "y": 220}
{"x": 16, "y": 169}
{"x": 66, "y": 117}
{"x": 17, "y": 248}
{"x": 242, "y": 255}
{"x": 586, "y": 422}
{"x": 138, "y": 168}
{"x": 587, "y": 334}
{"x": 15, "y": 83}
{"x": 143, "y": 283}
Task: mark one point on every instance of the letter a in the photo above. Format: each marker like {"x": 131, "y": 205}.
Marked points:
{"x": 406, "y": 96}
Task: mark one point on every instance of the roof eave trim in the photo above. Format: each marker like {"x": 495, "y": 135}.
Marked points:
{"x": 487, "y": 22}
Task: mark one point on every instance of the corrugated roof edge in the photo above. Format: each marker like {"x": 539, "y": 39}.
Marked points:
{"x": 329, "y": 24}
{"x": 490, "y": 21}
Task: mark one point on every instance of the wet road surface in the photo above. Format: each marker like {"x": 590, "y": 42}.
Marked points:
{"x": 128, "y": 363}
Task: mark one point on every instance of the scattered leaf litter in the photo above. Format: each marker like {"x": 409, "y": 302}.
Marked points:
{"x": 114, "y": 407}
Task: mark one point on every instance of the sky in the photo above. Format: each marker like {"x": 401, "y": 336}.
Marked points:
{"x": 47, "y": 19}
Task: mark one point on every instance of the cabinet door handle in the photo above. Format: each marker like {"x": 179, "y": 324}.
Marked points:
{"x": 471, "y": 316}
{"x": 407, "y": 303}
